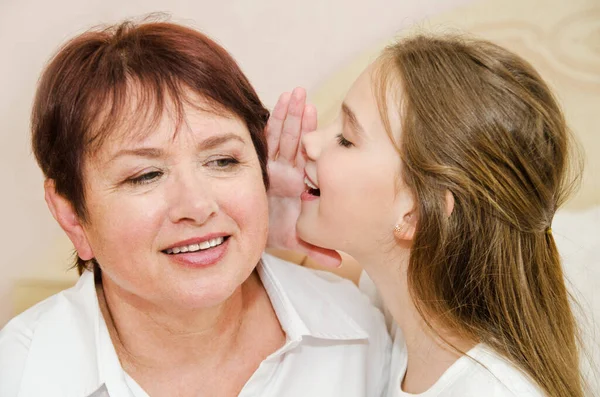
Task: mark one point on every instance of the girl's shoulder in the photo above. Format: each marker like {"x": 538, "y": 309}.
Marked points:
{"x": 489, "y": 373}
{"x": 482, "y": 372}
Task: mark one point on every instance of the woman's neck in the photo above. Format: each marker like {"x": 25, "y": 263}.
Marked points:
{"x": 149, "y": 336}
{"x": 429, "y": 355}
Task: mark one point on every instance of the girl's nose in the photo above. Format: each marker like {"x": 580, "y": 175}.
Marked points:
{"x": 311, "y": 144}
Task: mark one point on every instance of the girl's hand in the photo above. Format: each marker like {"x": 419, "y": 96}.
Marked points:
{"x": 291, "y": 118}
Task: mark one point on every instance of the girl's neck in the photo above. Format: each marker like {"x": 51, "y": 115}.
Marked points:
{"x": 430, "y": 355}
{"x": 429, "y": 351}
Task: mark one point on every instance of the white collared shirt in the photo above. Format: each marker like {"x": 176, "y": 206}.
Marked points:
{"x": 336, "y": 343}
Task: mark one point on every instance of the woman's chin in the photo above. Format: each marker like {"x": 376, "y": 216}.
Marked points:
{"x": 194, "y": 300}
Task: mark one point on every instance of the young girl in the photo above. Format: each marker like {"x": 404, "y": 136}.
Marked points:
{"x": 441, "y": 177}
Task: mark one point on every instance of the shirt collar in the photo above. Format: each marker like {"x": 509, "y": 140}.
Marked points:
{"x": 72, "y": 355}
{"x": 303, "y": 303}
{"x": 64, "y": 354}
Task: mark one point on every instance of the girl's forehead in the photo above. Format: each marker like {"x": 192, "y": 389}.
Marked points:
{"x": 388, "y": 91}
{"x": 375, "y": 98}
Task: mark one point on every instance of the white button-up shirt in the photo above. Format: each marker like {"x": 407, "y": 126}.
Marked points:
{"x": 336, "y": 343}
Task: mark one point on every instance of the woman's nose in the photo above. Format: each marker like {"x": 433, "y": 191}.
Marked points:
{"x": 191, "y": 199}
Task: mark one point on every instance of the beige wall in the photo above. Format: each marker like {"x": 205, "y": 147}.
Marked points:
{"x": 560, "y": 38}
{"x": 279, "y": 44}
{"x": 322, "y": 45}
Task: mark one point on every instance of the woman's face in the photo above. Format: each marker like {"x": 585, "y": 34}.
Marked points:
{"x": 177, "y": 219}
{"x": 354, "y": 164}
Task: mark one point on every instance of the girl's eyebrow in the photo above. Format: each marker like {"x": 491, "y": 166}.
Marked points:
{"x": 351, "y": 117}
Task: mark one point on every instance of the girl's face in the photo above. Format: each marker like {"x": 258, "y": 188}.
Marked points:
{"x": 355, "y": 195}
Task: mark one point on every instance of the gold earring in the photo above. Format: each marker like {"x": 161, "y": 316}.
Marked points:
{"x": 399, "y": 230}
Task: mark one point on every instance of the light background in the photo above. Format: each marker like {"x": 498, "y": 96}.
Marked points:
{"x": 321, "y": 45}
{"x": 278, "y": 43}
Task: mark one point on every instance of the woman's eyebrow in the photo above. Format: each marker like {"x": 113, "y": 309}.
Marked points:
{"x": 146, "y": 152}
{"x": 351, "y": 117}
{"x": 218, "y": 140}
{"x": 153, "y": 153}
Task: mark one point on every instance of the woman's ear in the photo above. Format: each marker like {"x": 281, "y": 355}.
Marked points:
{"x": 67, "y": 218}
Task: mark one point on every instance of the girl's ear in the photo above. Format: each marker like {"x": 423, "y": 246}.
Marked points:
{"x": 405, "y": 228}
{"x": 407, "y": 224}
{"x": 67, "y": 218}
{"x": 449, "y": 203}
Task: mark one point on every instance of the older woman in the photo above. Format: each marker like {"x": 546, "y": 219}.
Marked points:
{"x": 151, "y": 140}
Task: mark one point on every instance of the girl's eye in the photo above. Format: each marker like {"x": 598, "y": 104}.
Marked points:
{"x": 225, "y": 162}
{"x": 343, "y": 141}
{"x": 145, "y": 178}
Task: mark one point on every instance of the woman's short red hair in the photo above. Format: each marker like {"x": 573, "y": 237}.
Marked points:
{"x": 85, "y": 93}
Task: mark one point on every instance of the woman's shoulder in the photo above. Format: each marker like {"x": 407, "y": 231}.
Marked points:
{"x": 16, "y": 336}
{"x": 70, "y": 302}
{"x": 323, "y": 286}
{"x": 333, "y": 311}
{"x": 16, "y": 339}
{"x": 335, "y": 299}
{"x": 43, "y": 335}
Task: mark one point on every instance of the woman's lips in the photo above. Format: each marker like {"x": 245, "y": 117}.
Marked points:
{"x": 201, "y": 258}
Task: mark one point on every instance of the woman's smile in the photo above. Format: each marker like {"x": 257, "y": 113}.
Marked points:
{"x": 199, "y": 252}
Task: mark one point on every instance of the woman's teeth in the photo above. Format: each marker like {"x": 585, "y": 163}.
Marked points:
{"x": 196, "y": 247}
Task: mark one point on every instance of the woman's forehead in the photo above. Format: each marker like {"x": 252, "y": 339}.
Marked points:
{"x": 143, "y": 120}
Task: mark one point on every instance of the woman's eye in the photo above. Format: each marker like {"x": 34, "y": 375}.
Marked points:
{"x": 145, "y": 178}
{"x": 225, "y": 162}
{"x": 343, "y": 141}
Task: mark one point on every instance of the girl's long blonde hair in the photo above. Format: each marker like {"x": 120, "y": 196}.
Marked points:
{"x": 479, "y": 122}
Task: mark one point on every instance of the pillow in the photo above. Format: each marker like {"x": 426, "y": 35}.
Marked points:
{"x": 577, "y": 236}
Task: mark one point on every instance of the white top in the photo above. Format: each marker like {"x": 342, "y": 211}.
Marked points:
{"x": 482, "y": 372}
{"x": 336, "y": 343}
{"x": 490, "y": 375}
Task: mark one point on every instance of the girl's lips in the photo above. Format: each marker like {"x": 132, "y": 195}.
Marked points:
{"x": 201, "y": 259}
{"x": 306, "y": 196}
